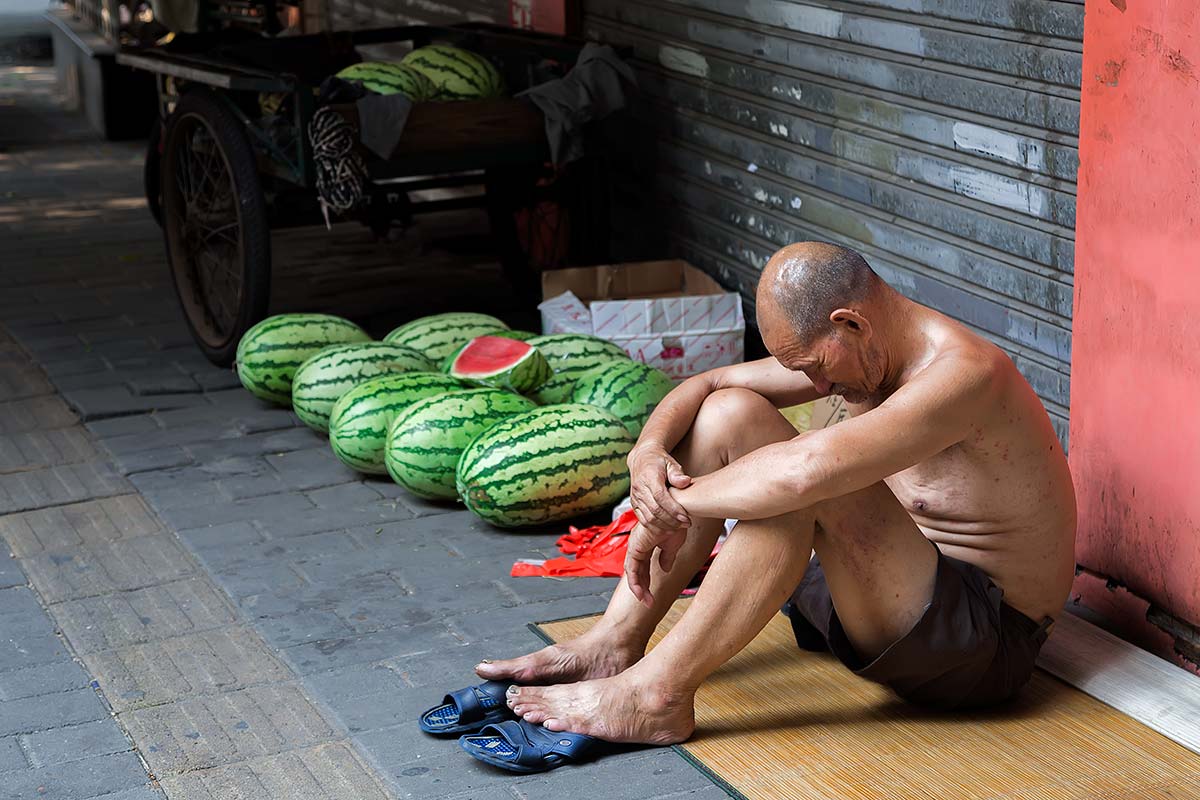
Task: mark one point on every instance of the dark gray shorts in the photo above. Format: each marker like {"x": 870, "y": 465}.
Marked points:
{"x": 969, "y": 649}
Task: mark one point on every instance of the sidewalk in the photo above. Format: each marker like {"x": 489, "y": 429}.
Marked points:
{"x": 261, "y": 621}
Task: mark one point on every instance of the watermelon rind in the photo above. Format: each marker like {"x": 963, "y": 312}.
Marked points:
{"x": 437, "y": 336}
{"x": 387, "y": 77}
{"x": 549, "y": 464}
{"x": 520, "y": 336}
{"x": 359, "y": 422}
{"x": 525, "y": 374}
{"x": 271, "y": 351}
{"x": 455, "y": 73}
{"x": 425, "y": 442}
{"x": 627, "y": 389}
{"x": 569, "y": 356}
{"x": 322, "y": 380}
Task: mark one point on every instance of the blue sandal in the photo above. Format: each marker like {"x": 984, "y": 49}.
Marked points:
{"x": 467, "y": 710}
{"x": 520, "y": 746}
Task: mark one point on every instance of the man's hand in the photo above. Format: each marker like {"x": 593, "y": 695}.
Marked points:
{"x": 642, "y": 543}
{"x": 653, "y": 473}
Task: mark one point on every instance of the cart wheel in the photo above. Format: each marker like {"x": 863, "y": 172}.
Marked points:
{"x": 215, "y": 223}
{"x": 150, "y": 172}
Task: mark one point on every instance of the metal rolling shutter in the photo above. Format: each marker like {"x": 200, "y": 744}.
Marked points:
{"x": 937, "y": 137}
{"x": 357, "y": 14}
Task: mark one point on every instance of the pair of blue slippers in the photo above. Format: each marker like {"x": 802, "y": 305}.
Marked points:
{"x": 488, "y": 731}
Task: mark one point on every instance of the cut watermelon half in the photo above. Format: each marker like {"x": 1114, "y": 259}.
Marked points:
{"x": 501, "y": 362}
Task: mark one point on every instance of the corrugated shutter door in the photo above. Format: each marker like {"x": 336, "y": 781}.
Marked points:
{"x": 345, "y": 15}
{"x": 937, "y": 137}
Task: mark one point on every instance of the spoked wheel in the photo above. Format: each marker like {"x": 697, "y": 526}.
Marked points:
{"x": 215, "y": 223}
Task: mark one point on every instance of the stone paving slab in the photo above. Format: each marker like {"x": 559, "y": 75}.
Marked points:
{"x": 92, "y": 522}
{"x": 113, "y": 621}
{"x": 51, "y": 486}
{"x": 109, "y": 567}
{"x": 60, "y": 676}
{"x": 44, "y": 712}
{"x": 35, "y": 414}
{"x": 90, "y": 778}
{"x": 325, "y": 772}
{"x": 223, "y": 729}
{"x": 75, "y": 742}
{"x": 210, "y": 662}
{"x": 20, "y": 382}
{"x": 33, "y": 449}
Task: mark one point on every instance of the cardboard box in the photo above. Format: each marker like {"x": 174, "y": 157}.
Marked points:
{"x": 667, "y": 314}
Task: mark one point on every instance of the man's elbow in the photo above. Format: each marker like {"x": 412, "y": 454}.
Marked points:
{"x": 809, "y": 476}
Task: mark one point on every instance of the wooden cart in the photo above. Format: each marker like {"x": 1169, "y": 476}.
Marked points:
{"x": 231, "y": 159}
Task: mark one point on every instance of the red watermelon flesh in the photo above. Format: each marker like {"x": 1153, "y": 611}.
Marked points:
{"x": 499, "y": 361}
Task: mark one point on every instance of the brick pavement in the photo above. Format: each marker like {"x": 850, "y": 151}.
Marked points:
{"x": 240, "y": 615}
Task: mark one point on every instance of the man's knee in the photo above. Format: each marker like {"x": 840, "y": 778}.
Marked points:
{"x": 726, "y": 408}
{"x": 732, "y": 422}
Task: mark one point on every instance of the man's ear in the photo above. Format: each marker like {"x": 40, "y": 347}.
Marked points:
{"x": 850, "y": 321}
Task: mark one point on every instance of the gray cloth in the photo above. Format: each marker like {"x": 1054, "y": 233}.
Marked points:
{"x": 594, "y": 88}
{"x": 381, "y": 121}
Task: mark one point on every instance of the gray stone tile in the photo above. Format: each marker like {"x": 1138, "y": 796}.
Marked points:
{"x": 147, "y": 792}
{"x": 255, "y": 577}
{"x": 38, "y": 488}
{"x": 274, "y": 507}
{"x": 333, "y": 653}
{"x": 220, "y": 544}
{"x": 348, "y": 495}
{"x": 11, "y": 755}
{"x": 20, "y": 381}
{"x": 205, "y": 732}
{"x": 59, "y": 676}
{"x": 179, "y": 487}
{"x": 638, "y": 773}
{"x": 311, "y": 468}
{"x": 123, "y": 426}
{"x": 368, "y": 697}
{"x": 270, "y": 442}
{"x": 44, "y": 712}
{"x": 325, "y": 772}
{"x": 107, "y": 567}
{"x": 332, "y": 518}
{"x": 35, "y": 413}
{"x": 92, "y": 522}
{"x": 220, "y": 660}
{"x": 109, "y": 622}
{"x": 148, "y": 460}
{"x": 484, "y": 623}
{"x": 26, "y": 635}
{"x": 429, "y": 777}
{"x": 34, "y": 449}
{"x": 72, "y": 743}
{"x": 216, "y": 379}
{"x": 109, "y": 401}
{"x": 91, "y": 777}
{"x": 10, "y": 572}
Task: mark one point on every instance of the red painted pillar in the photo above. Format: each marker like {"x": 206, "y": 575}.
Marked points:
{"x": 1135, "y": 373}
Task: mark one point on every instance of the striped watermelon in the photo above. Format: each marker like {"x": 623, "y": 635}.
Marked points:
{"x": 438, "y": 336}
{"x": 323, "y": 379}
{"x": 271, "y": 351}
{"x": 502, "y": 363}
{"x": 549, "y": 464}
{"x": 570, "y": 355}
{"x": 385, "y": 77}
{"x": 456, "y": 74}
{"x": 426, "y": 441}
{"x": 627, "y": 389}
{"x": 359, "y": 423}
{"x": 520, "y": 336}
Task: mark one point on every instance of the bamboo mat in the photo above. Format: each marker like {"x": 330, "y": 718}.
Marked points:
{"x": 778, "y": 722}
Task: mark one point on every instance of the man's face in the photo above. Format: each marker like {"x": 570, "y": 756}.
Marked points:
{"x": 836, "y": 362}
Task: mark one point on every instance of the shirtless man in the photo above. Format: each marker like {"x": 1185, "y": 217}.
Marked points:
{"x": 941, "y": 513}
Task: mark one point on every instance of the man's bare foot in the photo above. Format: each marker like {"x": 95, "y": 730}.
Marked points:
{"x": 623, "y": 708}
{"x": 595, "y": 654}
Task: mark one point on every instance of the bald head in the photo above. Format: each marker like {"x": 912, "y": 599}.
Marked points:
{"x": 807, "y": 281}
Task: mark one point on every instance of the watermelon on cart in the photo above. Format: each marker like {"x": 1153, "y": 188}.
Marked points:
{"x": 455, "y": 73}
{"x": 501, "y": 362}
{"x": 385, "y": 77}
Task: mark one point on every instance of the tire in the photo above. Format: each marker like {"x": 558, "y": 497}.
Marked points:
{"x": 150, "y": 172}
{"x": 215, "y": 224}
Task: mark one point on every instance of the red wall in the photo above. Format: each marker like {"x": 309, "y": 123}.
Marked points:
{"x": 1135, "y": 374}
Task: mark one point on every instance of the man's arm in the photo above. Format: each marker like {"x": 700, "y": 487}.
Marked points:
{"x": 933, "y": 411}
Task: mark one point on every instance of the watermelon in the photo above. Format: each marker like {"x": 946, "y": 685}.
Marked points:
{"x": 569, "y": 355}
{"x": 426, "y": 441}
{"x": 627, "y": 389}
{"x": 521, "y": 336}
{"x": 321, "y": 380}
{"x": 271, "y": 351}
{"x": 385, "y": 77}
{"x": 359, "y": 422}
{"x": 438, "y": 336}
{"x": 549, "y": 464}
{"x": 456, "y": 74}
{"x": 501, "y": 363}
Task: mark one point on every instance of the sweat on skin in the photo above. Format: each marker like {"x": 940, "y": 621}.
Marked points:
{"x": 947, "y": 453}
